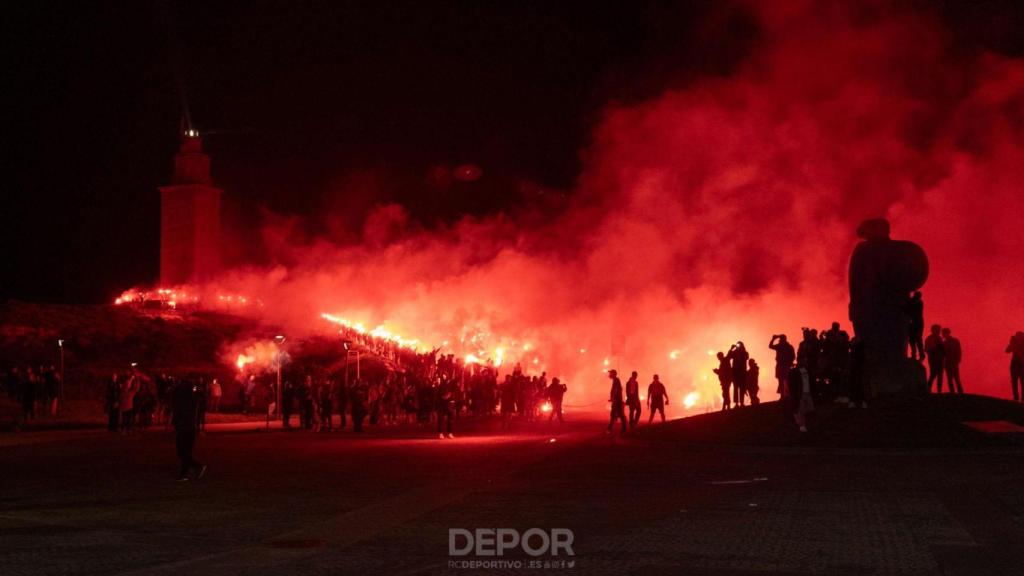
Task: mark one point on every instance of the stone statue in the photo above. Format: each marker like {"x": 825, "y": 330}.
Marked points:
{"x": 883, "y": 273}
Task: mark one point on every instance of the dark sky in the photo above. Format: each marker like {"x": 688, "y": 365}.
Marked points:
{"x": 313, "y": 105}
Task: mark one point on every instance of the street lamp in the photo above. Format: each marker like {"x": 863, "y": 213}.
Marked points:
{"x": 280, "y": 340}
{"x": 60, "y": 391}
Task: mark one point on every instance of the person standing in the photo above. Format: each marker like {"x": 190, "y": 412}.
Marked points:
{"x": 184, "y": 420}
{"x": 724, "y": 372}
{"x": 858, "y": 373}
{"x": 556, "y": 393}
{"x": 738, "y": 356}
{"x": 1016, "y": 350}
{"x": 952, "y": 354}
{"x": 615, "y": 398}
{"x": 126, "y": 403}
{"x": 657, "y": 399}
{"x": 633, "y": 400}
{"x": 785, "y": 355}
{"x": 753, "y": 375}
{"x": 800, "y": 400}
{"x": 110, "y": 403}
{"x": 915, "y": 310}
{"x": 326, "y": 406}
{"x": 936, "y": 357}
{"x": 215, "y": 393}
{"x": 201, "y": 393}
{"x": 507, "y": 391}
{"x": 357, "y": 399}
{"x": 445, "y": 403}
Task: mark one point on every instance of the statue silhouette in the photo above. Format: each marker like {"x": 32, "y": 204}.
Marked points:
{"x": 883, "y": 273}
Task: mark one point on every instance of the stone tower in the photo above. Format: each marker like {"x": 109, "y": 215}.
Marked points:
{"x": 189, "y": 218}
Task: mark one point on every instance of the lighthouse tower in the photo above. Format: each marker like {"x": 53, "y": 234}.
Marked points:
{"x": 189, "y": 218}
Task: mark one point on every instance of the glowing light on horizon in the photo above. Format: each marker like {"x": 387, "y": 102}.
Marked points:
{"x": 690, "y": 400}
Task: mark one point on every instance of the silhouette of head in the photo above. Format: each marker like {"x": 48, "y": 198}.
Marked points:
{"x": 555, "y": 380}
{"x": 946, "y": 332}
{"x": 835, "y": 326}
{"x": 782, "y": 338}
{"x": 655, "y": 377}
{"x": 753, "y": 363}
{"x": 612, "y": 373}
{"x": 721, "y": 356}
{"x": 874, "y": 229}
{"x": 936, "y": 329}
{"x": 633, "y": 375}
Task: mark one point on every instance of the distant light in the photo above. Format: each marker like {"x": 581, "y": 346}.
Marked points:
{"x": 60, "y": 343}
{"x": 691, "y": 399}
{"x": 673, "y": 354}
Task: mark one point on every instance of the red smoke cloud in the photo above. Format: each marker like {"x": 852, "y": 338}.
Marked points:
{"x": 718, "y": 212}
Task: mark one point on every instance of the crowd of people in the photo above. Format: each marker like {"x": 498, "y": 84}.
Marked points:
{"x": 134, "y": 401}
{"x": 37, "y": 390}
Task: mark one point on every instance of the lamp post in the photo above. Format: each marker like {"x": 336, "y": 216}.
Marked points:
{"x": 60, "y": 391}
{"x": 347, "y": 345}
{"x": 280, "y": 340}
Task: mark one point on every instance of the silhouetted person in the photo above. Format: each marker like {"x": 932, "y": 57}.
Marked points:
{"x": 287, "y": 401}
{"x": 800, "y": 401}
{"x": 936, "y": 357}
{"x": 445, "y": 404}
{"x": 738, "y": 358}
{"x": 1016, "y": 350}
{"x": 357, "y": 398}
{"x": 184, "y": 421}
{"x": 724, "y": 372}
{"x": 507, "y": 392}
{"x": 615, "y": 398}
{"x": 785, "y": 355}
{"x": 633, "y": 400}
{"x": 200, "y": 398}
{"x": 858, "y": 373}
{"x": 556, "y": 392}
{"x": 753, "y": 389}
{"x": 110, "y": 404}
{"x": 952, "y": 354}
{"x": 657, "y": 399}
{"x": 326, "y": 405}
{"x": 915, "y": 333}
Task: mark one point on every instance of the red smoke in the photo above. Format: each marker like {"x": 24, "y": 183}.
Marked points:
{"x": 718, "y": 212}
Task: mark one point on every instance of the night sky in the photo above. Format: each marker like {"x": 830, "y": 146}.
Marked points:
{"x": 314, "y": 106}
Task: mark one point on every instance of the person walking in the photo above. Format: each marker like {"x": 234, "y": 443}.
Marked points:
{"x": 556, "y": 393}
{"x": 657, "y": 399}
{"x": 184, "y": 421}
{"x": 633, "y": 400}
{"x": 800, "y": 400}
{"x": 615, "y": 398}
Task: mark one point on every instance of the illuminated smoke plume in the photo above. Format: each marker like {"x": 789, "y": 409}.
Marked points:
{"x": 717, "y": 212}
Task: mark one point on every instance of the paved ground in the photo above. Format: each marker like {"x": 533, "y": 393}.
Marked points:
{"x": 85, "y": 502}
